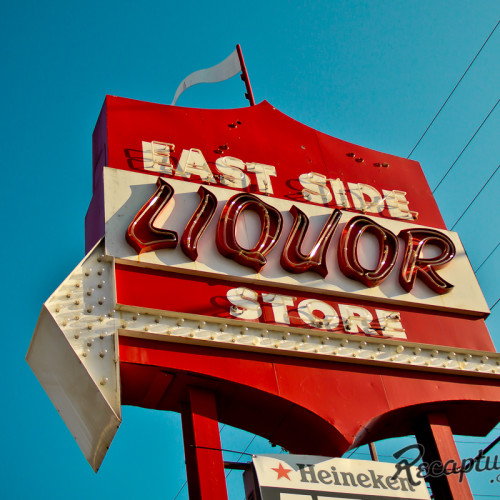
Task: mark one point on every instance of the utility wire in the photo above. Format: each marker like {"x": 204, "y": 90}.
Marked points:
{"x": 490, "y": 254}
{"x": 455, "y": 88}
{"x": 475, "y": 197}
{"x": 243, "y": 453}
{"x": 493, "y": 306}
{"x": 466, "y": 146}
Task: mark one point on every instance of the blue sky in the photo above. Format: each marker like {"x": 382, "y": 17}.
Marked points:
{"x": 371, "y": 73}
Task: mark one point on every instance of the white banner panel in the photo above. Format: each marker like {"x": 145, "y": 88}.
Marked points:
{"x": 304, "y": 477}
{"x": 127, "y": 192}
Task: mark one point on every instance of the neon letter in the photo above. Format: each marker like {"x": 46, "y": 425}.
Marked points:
{"x": 292, "y": 259}
{"x": 271, "y": 225}
{"x": 348, "y": 251}
{"x": 198, "y": 223}
{"x": 414, "y": 264}
{"x": 142, "y": 235}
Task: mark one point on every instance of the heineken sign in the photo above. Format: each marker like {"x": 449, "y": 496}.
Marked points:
{"x": 302, "y": 477}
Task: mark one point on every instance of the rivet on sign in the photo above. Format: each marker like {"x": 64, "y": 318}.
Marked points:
{"x": 244, "y": 330}
{"x": 77, "y": 285}
{"x": 359, "y": 160}
{"x": 146, "y": 328}
{"x": 76, "y": 335}
{"x": 102, "y": 354}
{"x": 417, "y": 350}
{"x": 57, "y": 309}
{"x": 68, "y": 295}
{"x": 484, "y": 359}
{"x": 180, "y": 321}
{"x": 223, "y": 328}
{"x": 434, "y": 353}
{"x": 451, "y": 355}
{"x": 89, "y": 343}
{"x": 89, "y": 327}
{"x": 381, "y": 347}
{"x": 351, "y": 155}
{"x": 103, "y": 381}
{"x": 201, "y": 324}
{"x": 64, "y": 323}
{"x": 77, "y": 302}
{"x": 400, "y": 349}
{"x": 157, "y": 320}
{"x": 385, "y": 165}
{"x": 101, "y": 319}
{"x": 278, "y": 344}
{"x": 84, "y": 354}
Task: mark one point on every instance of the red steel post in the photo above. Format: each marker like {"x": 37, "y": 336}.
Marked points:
{"x": 434, "y": 434}
{"x": 202, "y": 447}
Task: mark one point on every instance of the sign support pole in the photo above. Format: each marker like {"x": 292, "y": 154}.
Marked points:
{"x": 202, "y": 446}
{"x": 435, "y": 435}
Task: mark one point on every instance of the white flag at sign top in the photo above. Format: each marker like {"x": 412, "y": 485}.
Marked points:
{"x": 226, "y": 69}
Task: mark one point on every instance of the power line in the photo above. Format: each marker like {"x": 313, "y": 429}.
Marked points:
{"x": 493, "y": 306}
{"x": 243, "y": 453}
{"x": 454, "y": 88}
{"x": 490, "y": 254}
{"x": 475, "y": 197}
{"x": 466, "y": 146}
{"x": 182, "y": 487}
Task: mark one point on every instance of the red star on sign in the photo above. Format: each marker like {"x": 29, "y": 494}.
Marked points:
{"x": 282, "y": 472}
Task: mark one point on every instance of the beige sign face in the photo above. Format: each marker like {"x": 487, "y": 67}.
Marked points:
{"x": 127, "y": 192}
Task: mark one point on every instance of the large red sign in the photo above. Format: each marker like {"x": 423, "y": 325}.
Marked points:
{"x": 319, "y": 234}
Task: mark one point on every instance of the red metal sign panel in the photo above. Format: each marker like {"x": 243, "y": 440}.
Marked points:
{"x": 277, "y": 165}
